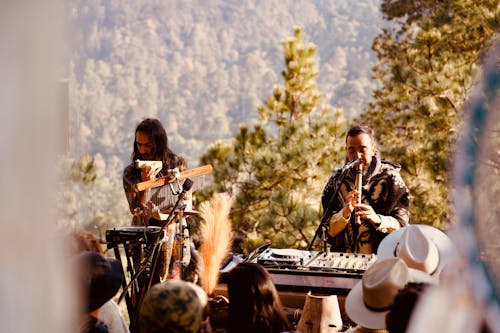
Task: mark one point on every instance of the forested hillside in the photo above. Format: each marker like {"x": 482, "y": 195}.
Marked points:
{"x": 202, "y": 67}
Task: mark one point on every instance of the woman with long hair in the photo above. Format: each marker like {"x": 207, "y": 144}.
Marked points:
{"x": 254, "y": 303}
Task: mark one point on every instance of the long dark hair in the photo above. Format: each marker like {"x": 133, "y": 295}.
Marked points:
{"x": 154, "y": 129}
{"x": 254, "y": 303}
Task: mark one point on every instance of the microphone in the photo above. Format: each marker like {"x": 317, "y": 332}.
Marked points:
{"x": 186, "y": 186}
{"x": 351, "y": 164}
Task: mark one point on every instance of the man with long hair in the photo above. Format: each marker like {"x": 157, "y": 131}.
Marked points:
{"x": 150, "y": 144}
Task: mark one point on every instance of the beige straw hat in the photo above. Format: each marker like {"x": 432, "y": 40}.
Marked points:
{"x": 369, "y": 301}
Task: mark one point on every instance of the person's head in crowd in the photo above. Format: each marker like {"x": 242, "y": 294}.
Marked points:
{"x": 400, "y": 313}
{"x": 422, "y": 247}
{"x": 98, "y": 278}
{"x": 254, "y": 303}
{"x": 369, "y": 301}
{"x": 79, "y": 240}
{"x": 173, "y": 306}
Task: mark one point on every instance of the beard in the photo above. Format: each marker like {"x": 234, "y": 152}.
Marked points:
{"x": 147, "y": 157}
{"x": 150, "y": 157}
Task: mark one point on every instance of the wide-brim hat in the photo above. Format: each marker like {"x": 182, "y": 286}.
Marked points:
{"x": 100, "y": 278}
{"x": 421, "y": 246}
{"x": 370, "y": 299}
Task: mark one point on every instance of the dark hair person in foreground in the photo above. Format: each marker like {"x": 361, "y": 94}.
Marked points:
{"x": 254, "y": 303}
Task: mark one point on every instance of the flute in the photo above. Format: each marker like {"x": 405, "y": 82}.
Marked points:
{"x": 359, "y": 187}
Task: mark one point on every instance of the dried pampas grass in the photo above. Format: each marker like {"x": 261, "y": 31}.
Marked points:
{"x": 216, "y": 238}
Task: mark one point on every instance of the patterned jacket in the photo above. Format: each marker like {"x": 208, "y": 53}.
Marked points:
{"x": 383, "y": 189}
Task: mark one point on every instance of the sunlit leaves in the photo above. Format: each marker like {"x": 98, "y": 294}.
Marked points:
{"x": 426, "y": 66}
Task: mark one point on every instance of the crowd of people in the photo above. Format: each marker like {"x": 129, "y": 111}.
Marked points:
{"x": 381, "y": 302}
{"x": 367, "y": 217}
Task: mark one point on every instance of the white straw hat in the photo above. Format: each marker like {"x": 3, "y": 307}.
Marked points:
{"x": 421, "y": 246}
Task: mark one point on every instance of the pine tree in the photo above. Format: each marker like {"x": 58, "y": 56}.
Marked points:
{"x": 277, "y": 170}
{"x": 426, "y": 66}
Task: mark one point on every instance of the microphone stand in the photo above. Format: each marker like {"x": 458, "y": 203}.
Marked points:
{"x": 322, "y": 228}
{"x": 186, "y": 186}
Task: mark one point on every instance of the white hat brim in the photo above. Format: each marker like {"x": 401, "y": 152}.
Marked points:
{"x": 447, "y": 250}
{"x": 358, "y": 312}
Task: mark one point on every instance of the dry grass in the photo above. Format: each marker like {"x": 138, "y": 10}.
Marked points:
{"x": 216, "y": 238}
